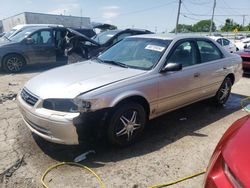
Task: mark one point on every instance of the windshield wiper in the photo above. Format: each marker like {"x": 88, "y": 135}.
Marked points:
{"x": 110, "y": 62}
{"x": 97, "y": 59}
{"x": 116, "y": 63}
{"x": 7, "y": 38}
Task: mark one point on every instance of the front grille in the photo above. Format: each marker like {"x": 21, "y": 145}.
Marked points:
{"x": 246, "y": 59}
{"x": 28, "y": 97}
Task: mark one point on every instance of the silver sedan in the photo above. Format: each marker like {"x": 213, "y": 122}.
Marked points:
{"x": 136, "y": 80}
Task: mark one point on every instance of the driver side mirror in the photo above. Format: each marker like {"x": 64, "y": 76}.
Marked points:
{"x": 172, "y": 67}
{"x": 29, "y": 41}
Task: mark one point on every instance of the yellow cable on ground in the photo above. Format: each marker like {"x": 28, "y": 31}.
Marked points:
{"x": 74, "y": 164}
{"x": 177, "y": 181}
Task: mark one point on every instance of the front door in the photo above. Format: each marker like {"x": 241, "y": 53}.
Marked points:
{"x": 42, "y": 48}
{"x": 181, "y": 87}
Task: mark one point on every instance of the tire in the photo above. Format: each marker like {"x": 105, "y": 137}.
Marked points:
{"x": 223, "y": 93}
{"x": 126, "y": 124}
{"x": 13, "y": 63}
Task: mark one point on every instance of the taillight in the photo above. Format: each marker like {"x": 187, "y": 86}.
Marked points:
{"x": 230, "y": 175}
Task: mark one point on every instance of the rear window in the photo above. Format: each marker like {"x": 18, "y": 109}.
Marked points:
{"x": 208, "y": 51}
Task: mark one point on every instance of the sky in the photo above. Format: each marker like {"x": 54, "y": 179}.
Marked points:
{"x": 155, "y": 15}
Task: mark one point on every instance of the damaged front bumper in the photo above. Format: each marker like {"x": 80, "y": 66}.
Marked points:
{"x": 63, "y": 127}
{"x": 57, "y": 127}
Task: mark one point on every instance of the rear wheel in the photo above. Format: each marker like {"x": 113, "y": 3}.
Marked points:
{"x": 13, "y": 63}
{"x": 126, "y": 124}
{"x": 224, "y": 92}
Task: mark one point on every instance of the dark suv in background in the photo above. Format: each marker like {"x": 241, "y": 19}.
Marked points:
{"x": 37, "y": 45}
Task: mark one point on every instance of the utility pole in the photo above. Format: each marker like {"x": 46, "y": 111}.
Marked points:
{"x": 177, "y": 19}
{"x": 212, "y": 19}
{"x": 243, "y": 23}
{"x": 81, "y": 18}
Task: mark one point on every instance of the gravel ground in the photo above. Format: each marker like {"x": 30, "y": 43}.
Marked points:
{"x": 175, "y": 145}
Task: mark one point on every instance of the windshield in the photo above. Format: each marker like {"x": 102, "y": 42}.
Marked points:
{"x": 21, "y": 35}
{"x": 103, "y": 37}
{"x": 140, "y": 53}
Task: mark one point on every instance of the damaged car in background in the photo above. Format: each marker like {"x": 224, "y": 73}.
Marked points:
{"x": 137, "y": 79}
{"x": 40, "y": 44}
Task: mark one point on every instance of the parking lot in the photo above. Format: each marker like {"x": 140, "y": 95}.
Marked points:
{"x": 173, "y": 146}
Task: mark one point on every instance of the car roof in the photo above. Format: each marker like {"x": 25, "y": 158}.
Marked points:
{"x": 216, "y": 37}
{"x": 128, "y": 29}
{"x": 168, "y": 36}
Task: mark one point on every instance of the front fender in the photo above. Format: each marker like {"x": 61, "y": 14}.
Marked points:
{"x": 127, "y": 95}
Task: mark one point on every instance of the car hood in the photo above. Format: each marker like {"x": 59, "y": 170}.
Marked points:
{"x": 71, "y": 80}
{"x": 82, "y": 37}
{"x": 6, "y": 43}
{"x": 236, "y": 150}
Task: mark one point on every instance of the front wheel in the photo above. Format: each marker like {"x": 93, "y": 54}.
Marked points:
{"x": 126, "y": 124}
{"x": 13, "y": 63}
{"x": 224, "y": 92}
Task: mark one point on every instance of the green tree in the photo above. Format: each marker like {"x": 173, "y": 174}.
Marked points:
{"x": 203, "y": 26}
{"x": 183, "y": 28}
{"x": 230, "y": 25}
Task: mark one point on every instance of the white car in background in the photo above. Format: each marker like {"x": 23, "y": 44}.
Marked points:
{"x": 21, "y": 27}
{"x": 227, "y": 44}
{"x": 244, "y": 43}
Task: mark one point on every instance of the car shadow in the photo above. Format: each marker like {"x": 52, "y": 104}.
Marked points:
{"x": 158, "y": 133}
{"x": 246, "y": 74}
{"x": 33, "y": 68}
{"x": 36, "y": 68}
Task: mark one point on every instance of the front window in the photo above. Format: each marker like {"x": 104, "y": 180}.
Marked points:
{"x": 42, "y": 37}
{"x": 140, "y": 53}
{"x": 184, "y": 54}
{"x": 103, "y": 37}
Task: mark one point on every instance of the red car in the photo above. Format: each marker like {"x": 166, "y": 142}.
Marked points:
{"x": 245, "y": 55}
{"x": 229, "y": 165}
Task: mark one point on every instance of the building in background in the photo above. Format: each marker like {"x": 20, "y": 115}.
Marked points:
{"x": 40, "y": 18}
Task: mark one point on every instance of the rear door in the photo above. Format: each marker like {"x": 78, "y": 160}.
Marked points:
{"x": 42, "y": 48}
{"x": 212, "y": 67}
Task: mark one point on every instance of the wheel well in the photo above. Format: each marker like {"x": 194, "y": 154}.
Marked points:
{"x": 232, "y": 78}
{"x": 13, "y": 54}
{"x": 137, "y": 99}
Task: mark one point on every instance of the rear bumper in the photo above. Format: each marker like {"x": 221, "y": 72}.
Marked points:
{"x": 246, "y": 65}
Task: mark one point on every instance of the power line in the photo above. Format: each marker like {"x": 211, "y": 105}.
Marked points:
{"x": 200, "y": 3}
{"x": 195, "y": 19}
{"x": 214, "y": 15}
{"x": 144, "y": 10}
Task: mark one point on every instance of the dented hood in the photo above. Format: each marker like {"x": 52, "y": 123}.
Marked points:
{"x": 71, "y": 80}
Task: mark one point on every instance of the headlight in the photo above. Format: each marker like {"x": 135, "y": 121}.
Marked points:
{"x": 63, "y": 105}
{"x": 83, "y": 105}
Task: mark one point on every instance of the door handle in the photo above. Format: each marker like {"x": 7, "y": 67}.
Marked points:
{"x": 197, "y": 74}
